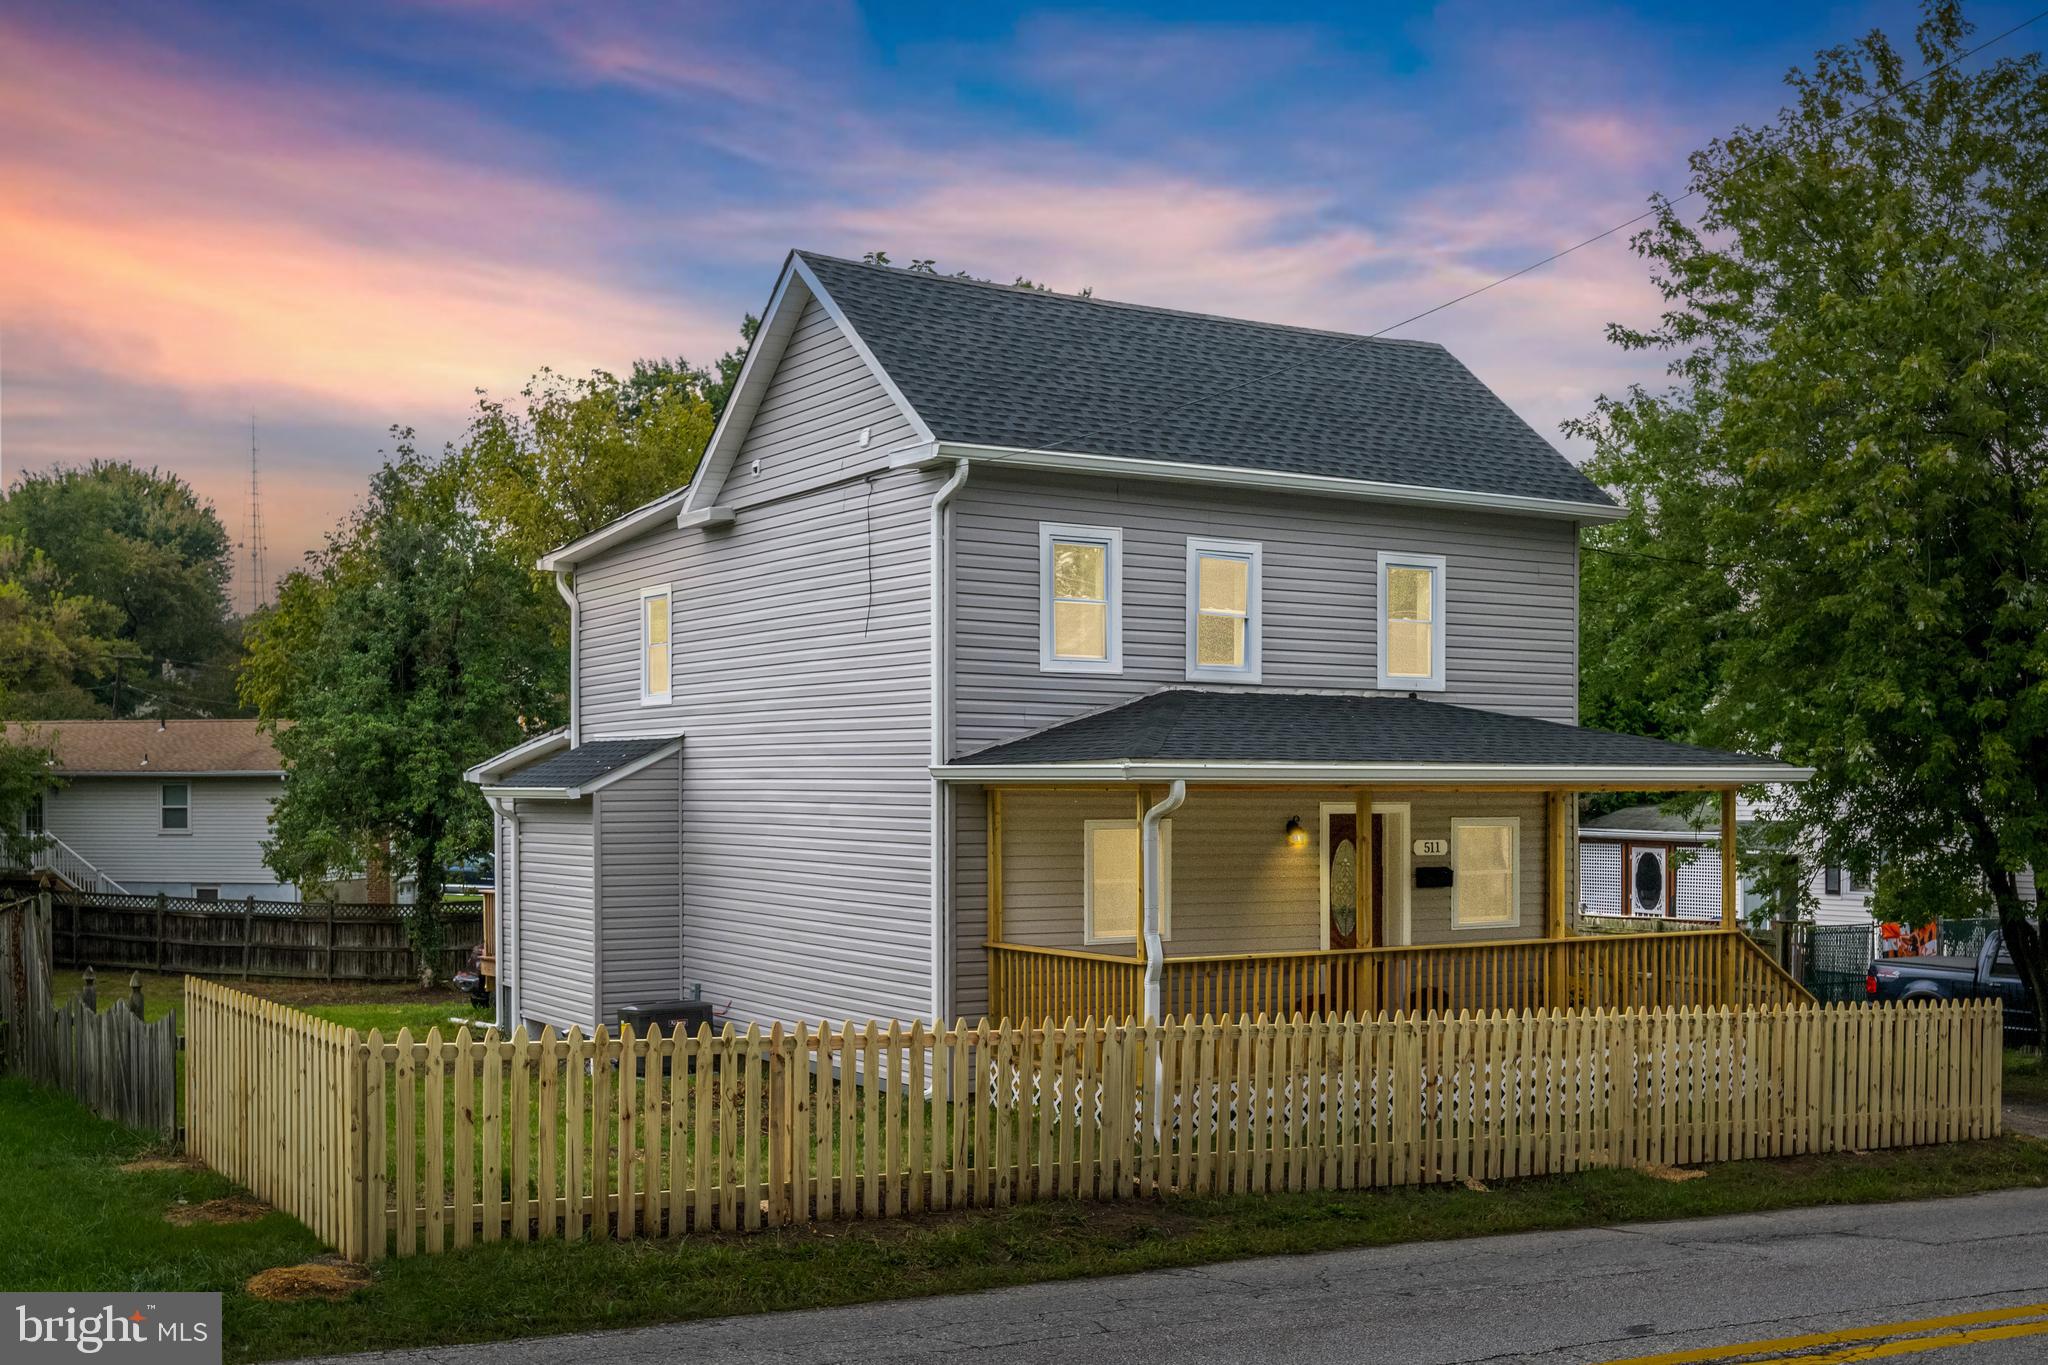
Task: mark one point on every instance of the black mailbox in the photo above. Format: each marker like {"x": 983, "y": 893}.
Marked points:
{"x": 1432, "y": 876}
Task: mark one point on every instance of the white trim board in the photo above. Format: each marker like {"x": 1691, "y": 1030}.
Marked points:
{"x": 1367, "y": 774}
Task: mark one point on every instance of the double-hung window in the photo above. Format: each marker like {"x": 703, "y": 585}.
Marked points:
{"x": 174, "y": 813}
{"x": 1485, "y": 872}
{"x": 1080, "y": 609}
{"x": 1113, "y": 907}
{"x": 1223, "y": 610}
{"x": 1411, "y": 625}
{"x": 655, "y": 661}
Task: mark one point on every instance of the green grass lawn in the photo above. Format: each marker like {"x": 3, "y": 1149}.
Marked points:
{"x": 385, "y": 1006}
{"x": 73, "y": 1220}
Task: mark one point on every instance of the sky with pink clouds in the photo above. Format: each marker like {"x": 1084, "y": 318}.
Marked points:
{"x": 337, "y": 218}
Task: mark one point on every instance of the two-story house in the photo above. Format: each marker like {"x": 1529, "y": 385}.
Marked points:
{"x": 1023, "y": 653}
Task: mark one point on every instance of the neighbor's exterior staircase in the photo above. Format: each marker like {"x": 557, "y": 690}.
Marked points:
{"x": 58, "y": 860}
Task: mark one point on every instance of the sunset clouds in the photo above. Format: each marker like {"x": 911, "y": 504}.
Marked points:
{"x": 343, "y": 219}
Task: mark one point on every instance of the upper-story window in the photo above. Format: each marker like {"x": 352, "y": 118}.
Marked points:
{"x": 1080, "y": 608}
{"x": 654, "y": 653}
{"x": 174, "y": 814}
{"x": 1411, "y": 633}
{"x": 1223, "y": 610}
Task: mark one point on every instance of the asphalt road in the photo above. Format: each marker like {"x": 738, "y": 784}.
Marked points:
{"x": 1969, "y": 1277}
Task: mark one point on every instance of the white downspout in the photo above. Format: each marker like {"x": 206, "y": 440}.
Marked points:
{"x": 575, "y": 646}
{"x": 508, "y": 913}
{"x": 941, "y": 731}
{"x": 1155, "y": 949}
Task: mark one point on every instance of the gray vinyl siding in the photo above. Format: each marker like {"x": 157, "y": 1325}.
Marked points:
{"x": 970, "y": 902}
{"x": 821, "y": 397}
{"x": 1511, "y": 601}
{"x": 800, "y": 642}
{"x": 557, "y": 941}
{"x": 116, "y": 824}
{"x": 640, "y": 848}
{"x": 1237, "y": 887}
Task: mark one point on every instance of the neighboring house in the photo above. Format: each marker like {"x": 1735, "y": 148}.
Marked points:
{"x": 177, "y": 806}
{"x": 1645, "y": 861}
{"x": 984, "y": 599}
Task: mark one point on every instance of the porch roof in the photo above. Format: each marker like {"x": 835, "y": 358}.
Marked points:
{"x": 574, "y": 772}
{"x": 1307, "y": 737}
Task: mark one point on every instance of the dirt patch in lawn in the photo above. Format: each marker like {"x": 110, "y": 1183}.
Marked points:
{"x": 330, "y": 1279}
{"x": 236, "y": 1208}
{"x": 147, "y": 1165}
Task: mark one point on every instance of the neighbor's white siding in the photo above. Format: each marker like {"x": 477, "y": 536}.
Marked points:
{"x": 557, "y": 943}
{"x": 1510, "y": 605}
{"x": 115, "y": 824}
{"x": 639, "y": 844}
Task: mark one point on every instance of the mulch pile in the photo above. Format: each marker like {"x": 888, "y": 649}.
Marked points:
{"x": 330, "y": 1278}
{"x": 236, "y": 1208}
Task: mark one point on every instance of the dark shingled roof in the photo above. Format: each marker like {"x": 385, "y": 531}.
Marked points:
{"x": 996, "y": 365}
{"x": 584, "y": 764}
{"x": 1188, "y": 725}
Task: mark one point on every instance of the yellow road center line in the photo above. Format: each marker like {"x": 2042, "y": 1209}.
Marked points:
{"x": 1876, "y": 1332}
{"x": 1939, "y": 1341}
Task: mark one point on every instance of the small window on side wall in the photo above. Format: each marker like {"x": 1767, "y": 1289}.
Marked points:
{"x": 1485, "y": 872}
{"x": 174, "y": 815}
{"x": 1080, "y": 599}
{"x": 655, "y": 661}
{"x": 1223, "y": 611}
{"x": 1411, "y": 622}
{"x": 1112, "y": 911}
{"x": 206, "y": 895}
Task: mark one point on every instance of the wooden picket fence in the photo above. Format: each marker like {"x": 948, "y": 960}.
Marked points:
{"x": 408, "y": 1146}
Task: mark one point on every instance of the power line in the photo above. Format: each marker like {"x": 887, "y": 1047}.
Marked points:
{"x": 1829, "y": 126}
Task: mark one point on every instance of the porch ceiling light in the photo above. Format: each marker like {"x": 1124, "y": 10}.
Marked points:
{"x": 1297, "y": 837}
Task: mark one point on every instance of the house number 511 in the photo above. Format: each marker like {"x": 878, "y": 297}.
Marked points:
{"x": 1432, "y": 848}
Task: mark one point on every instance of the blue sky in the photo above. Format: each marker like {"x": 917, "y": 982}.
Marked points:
{"x": 344, "y": 217}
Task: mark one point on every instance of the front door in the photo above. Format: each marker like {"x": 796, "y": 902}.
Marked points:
{"x": 1343, "y": 880}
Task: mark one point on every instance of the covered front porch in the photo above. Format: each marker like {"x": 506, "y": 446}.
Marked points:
{"x": 1163, "y": 885}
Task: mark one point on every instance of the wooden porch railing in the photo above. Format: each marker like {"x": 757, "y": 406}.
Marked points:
{"x": 1708, "y": 967}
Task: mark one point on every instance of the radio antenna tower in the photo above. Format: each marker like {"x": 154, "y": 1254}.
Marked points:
{"x": 259, "y": 586}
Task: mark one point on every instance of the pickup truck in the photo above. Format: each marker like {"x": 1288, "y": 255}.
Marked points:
{"x": 1987, "y": 976}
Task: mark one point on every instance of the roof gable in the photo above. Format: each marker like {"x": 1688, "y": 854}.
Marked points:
{"x": 1018, "y": 368}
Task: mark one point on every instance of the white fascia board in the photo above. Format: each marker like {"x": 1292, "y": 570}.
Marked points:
{"x": 1387, "y": 774}
{"x": 1605, "y": 835}
{"x": 533, "y": 793}
{"x": 705, "y": 516}
{"x": 1175, "y": 471}
{"x": 518, "y": 754}
{"x": 625, "y": 528}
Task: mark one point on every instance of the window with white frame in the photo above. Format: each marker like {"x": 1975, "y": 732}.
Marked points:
{"x": 1411, "y": 625}
{"x": 1486, "y": 872}
{"x": 1223, "y": 610}
{"x": 1112, "y": 908}
{"x": 1080, "y": 599}
{"x": 174, "y": 813}
{"x": 655, "y": 660}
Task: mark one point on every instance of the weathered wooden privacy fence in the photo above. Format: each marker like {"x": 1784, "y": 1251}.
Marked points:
{"x": 122, "y": 1068}
{"x": 421, "y": 1145}
{"x": 253, "y": 938}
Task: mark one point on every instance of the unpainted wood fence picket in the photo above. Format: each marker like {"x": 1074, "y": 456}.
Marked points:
{"x": 407, "y": 1146}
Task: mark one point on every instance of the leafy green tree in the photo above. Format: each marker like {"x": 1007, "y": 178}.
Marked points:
{"x": 24, "y": 776}
{"x": 409, "y": 649}
{"x": 1835, "y": 547}
{"x": 577, "y": 453}
{"x": 142, "y": 542}
{"x": 54, "y": 645}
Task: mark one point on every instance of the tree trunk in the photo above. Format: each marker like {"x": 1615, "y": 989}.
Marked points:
{"x": 427, "y": 927}
{"x": 2024, "y": 942}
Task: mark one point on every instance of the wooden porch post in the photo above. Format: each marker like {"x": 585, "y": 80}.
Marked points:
{"x": 1138, "y": 823}
{"x": 998, "y": 986}
{"x": 1364, "y": 969}
{"x": 1730, "y": 895}
{"x": 1557, "y": 916}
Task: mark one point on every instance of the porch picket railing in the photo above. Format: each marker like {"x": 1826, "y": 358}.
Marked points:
{"x": 1706, "y": 967}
